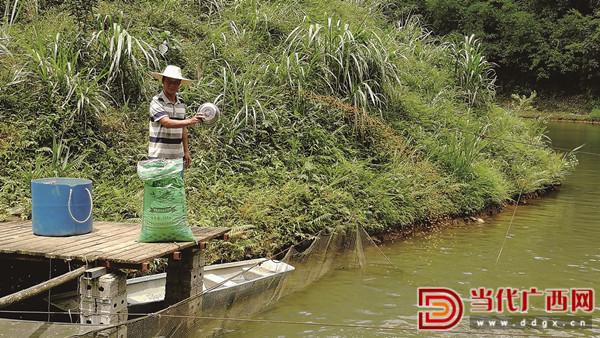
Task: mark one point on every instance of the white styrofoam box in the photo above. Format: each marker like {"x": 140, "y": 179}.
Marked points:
{"x": 103, "y": 319}
{"x": 88, "y": 287}
{"x": 87, "y": 306}
{"x": 106, "y": 286}
{"x": 111, "y": 305}
{"x": 90, "y": 319}
{"x": 111, "y": 284}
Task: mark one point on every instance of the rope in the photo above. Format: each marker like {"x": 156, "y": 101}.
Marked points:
{"x": 91, "y": 207}
{"x": 286, "y": 322}
{"x": 240, "y": 273}
{"x": 229, "y": 278}
{"x": 49, "y": 290}
{"x": 379, "y": 249}
{"x": 508, "y": 229}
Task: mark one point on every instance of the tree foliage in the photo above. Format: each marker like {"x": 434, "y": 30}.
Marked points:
{"x": 550, "y": 45}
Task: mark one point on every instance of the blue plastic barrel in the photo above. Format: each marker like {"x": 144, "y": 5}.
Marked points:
{"x": 61, "y": 206}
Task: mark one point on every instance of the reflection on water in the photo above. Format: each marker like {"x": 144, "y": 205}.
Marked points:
{"x": 553, "y": 243}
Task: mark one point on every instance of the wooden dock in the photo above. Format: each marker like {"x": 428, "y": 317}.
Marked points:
{"x": 109, "y": 244}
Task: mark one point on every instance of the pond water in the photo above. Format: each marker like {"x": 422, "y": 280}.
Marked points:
{"x": 552, "y": 243}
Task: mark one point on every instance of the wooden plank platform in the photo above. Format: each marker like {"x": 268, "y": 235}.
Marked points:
{"x": 109, "y": 242}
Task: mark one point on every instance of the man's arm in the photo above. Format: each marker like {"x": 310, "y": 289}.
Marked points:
{"x": 167, "y": 122}
{"x": 157, "y": 114}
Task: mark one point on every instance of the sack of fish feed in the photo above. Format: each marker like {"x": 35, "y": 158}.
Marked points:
{"x": 164, "y": 217}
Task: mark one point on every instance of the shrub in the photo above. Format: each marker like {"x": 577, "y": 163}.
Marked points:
{"x": 538, "y": 45}
{"x": 595, "y": 114}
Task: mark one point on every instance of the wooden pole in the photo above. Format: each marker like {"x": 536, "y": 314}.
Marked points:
{"x": 39, "y": 288}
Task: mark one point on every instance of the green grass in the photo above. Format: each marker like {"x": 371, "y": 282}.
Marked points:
{"x": 332, "y": 117}
{"x": 573, "y": 108}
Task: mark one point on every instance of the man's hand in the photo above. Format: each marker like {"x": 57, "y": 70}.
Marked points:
{"x": 196, "y": 119}
{"x": 187, "y": 160}
{"x": 201, "y": 115}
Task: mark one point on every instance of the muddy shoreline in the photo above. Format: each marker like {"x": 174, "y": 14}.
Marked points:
{"x": 400, "y": 234}
{"x": 562, "y": 119}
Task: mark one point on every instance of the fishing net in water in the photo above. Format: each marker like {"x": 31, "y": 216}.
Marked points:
{"x": 211, "y": 314}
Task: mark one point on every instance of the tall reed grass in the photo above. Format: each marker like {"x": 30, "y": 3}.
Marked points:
{"x": 57, "y": 68}
{"x": 12, "y": 9}
{"x": 4, "y": 51}
{"x": 124, "y": 59}
{"x": 476, "y": 76}
{"x": 459, "y": 151}
{"x": 333, "y": 59}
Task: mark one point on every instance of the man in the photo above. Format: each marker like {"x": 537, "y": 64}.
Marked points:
{"x": 168, "y": 125}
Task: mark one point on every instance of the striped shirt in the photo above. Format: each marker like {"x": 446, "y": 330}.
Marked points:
{"x": 165, "y": 143}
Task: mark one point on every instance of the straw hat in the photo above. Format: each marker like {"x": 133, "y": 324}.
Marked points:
{"x": 173, "y": 72}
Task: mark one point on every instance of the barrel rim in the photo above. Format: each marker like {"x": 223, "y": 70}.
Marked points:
{"x": 68, "y": 181}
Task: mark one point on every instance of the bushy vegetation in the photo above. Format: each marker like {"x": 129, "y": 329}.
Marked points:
{"x": 332, "y": 116}
{"x": 595, "y": 114}
{"x": 537, "y": 44}
{"x": 579, "y": 108}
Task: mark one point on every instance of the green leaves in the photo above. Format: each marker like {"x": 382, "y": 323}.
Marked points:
{"x": 459, "y": 151}
{"x": 57, "y": 67}
{"x": 62, "y": 162}
{"x": 338, "y": 61}
{"x": 124, "y": 58}
{"x": 476, "y": 76}
{"x": 82, "y": 10}
{"x": 537, "y": 44}
{"x": 12, "y": 9}
{"x": 111, "y": 65}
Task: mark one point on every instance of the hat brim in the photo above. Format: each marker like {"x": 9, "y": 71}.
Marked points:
{"x": 159, "y": 77}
